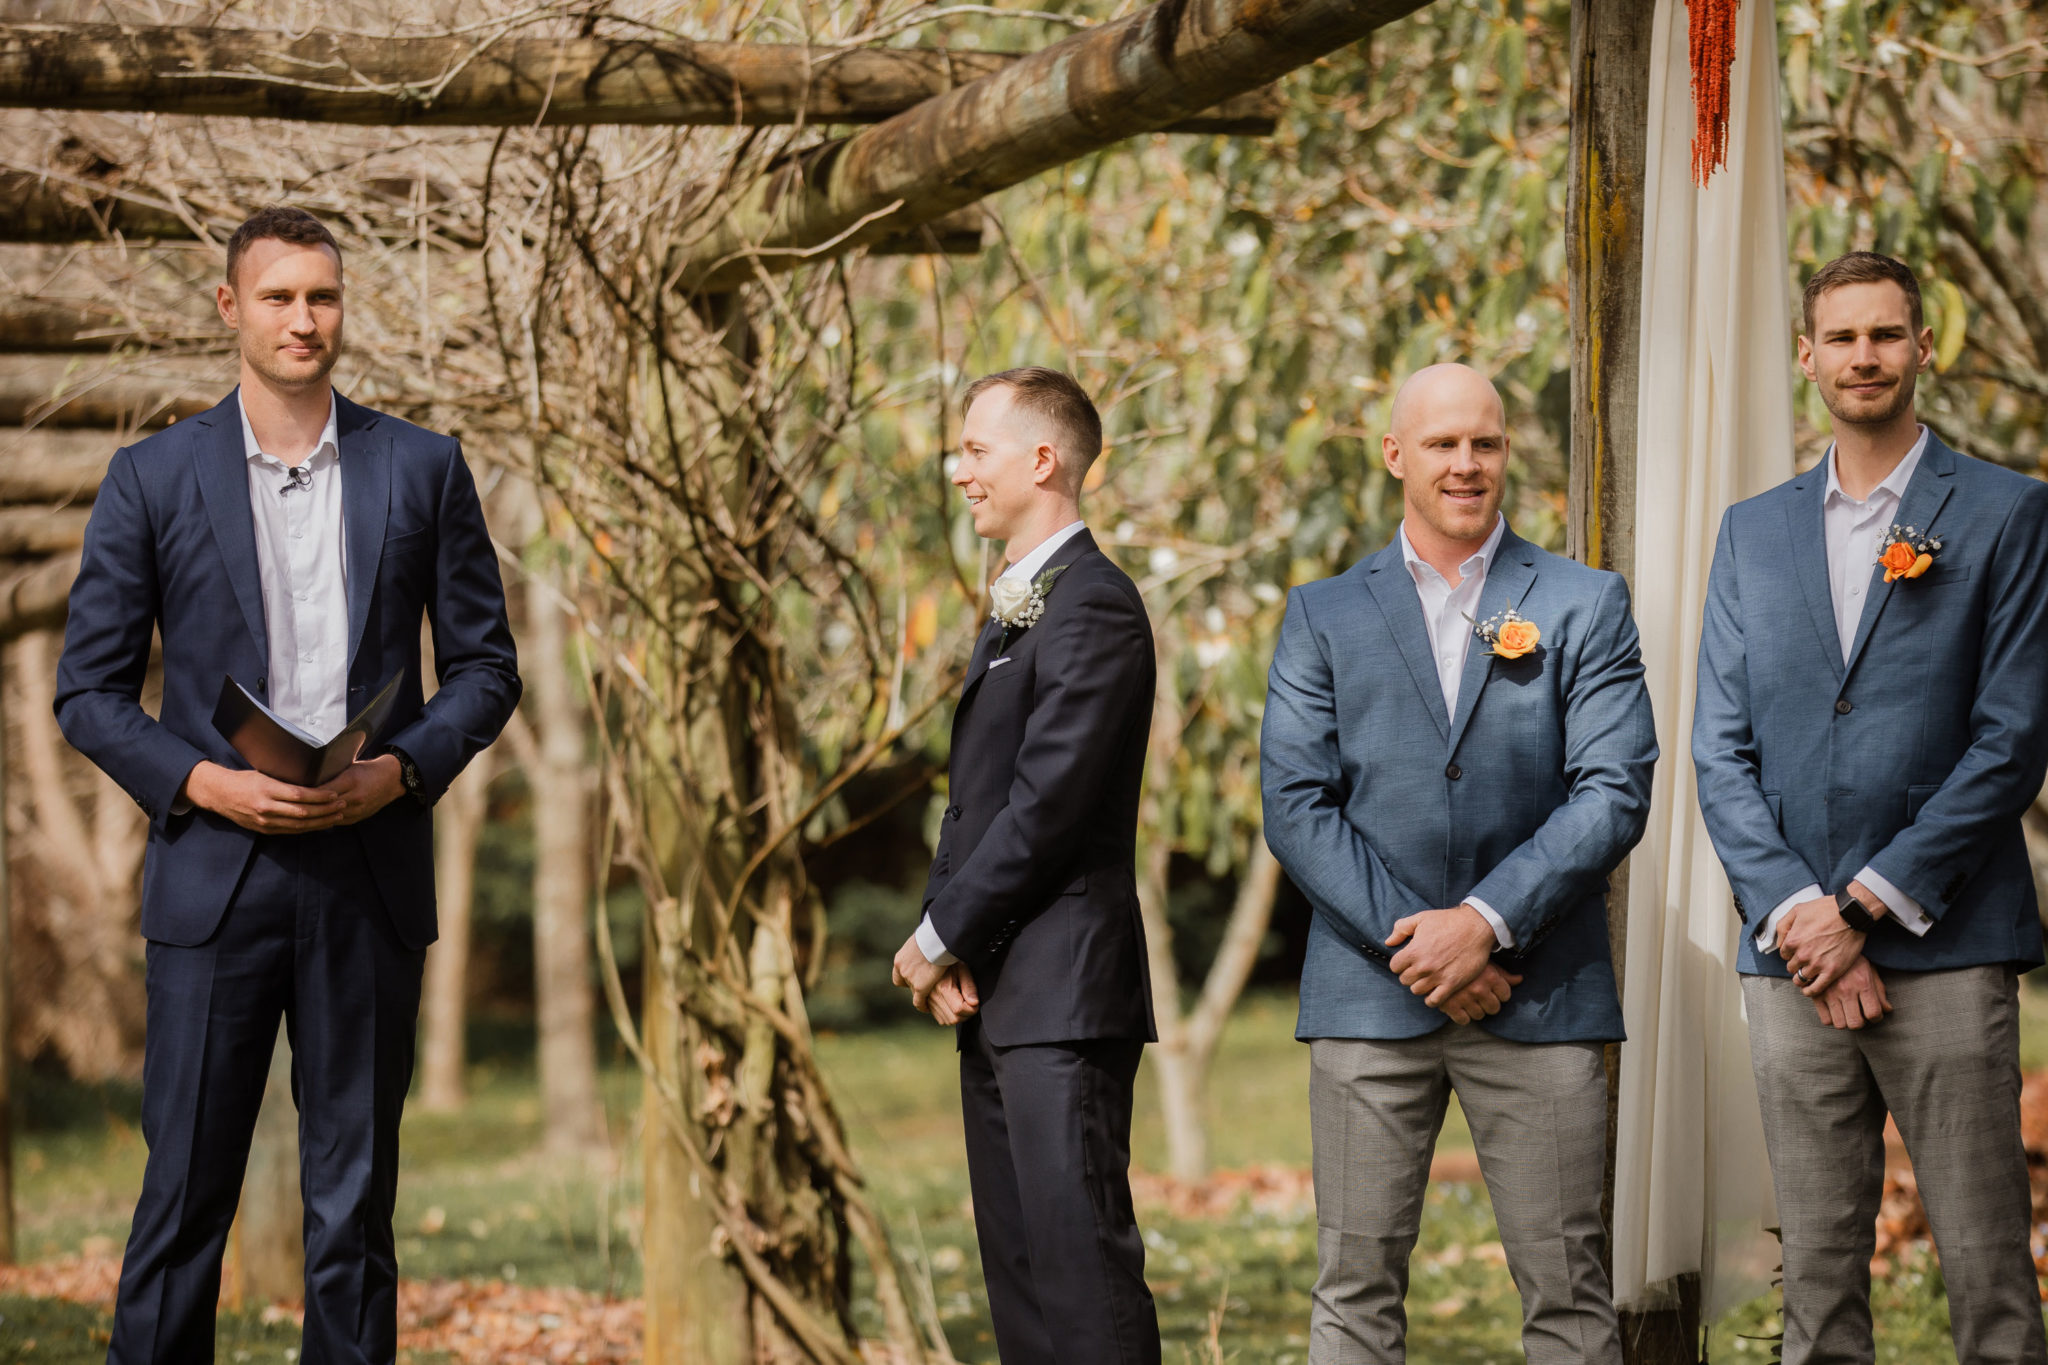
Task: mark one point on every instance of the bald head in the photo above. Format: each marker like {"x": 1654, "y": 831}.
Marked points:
{"x": 1449, "y": 449}
{"x": 1437, "y": 390}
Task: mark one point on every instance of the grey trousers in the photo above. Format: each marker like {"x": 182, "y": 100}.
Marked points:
{"x": 1538, "y": 1113}
{"x": 1946, "y": 1064}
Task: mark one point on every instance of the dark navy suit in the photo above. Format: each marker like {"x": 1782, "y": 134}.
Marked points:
{"x": 326, "y": 930}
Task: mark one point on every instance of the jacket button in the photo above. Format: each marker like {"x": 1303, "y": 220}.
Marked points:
{"x": 952, "y": 812}
{"x": 1844, "y": 707}
{"x": 260, "y": 683}
{"x": 1454, "y": 772}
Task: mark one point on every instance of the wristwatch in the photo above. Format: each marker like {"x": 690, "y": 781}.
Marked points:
{"x": 409, "y": 774}
{"x": 1854, "y": 912}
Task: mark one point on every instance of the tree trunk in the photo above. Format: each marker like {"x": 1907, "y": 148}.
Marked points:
{"x": 444, "y": 1012}
{"x": 513, "y": 82}
{"x": 1136, "y": 75}
{"x": 6, "y": 994}
{"x": 266, "y": 1257}
{"x": 560, "y": 780}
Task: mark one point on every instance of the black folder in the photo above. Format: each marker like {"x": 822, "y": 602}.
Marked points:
{"x": 277, "y": 748}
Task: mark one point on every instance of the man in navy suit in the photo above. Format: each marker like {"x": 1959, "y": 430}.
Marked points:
{"x": 1456, "y": 753}
{"x": 1872, "y": 722}
{"x": 292, "y": 540}
{"x": 1031, "y": 911}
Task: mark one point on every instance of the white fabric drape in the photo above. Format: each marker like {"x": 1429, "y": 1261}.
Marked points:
{"x": 1692, "y": 1185}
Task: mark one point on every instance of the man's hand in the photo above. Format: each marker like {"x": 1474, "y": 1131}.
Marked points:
{"x": 955, "y": 997}
{"x": 1446, "y": 952}
{"x": 1856, "y": 998}
{"x": 263, "y": 804}
{"x": 366, "y": 787}
{"x": 1487, "y": 993}
{"x": 1817, "y": 944}
{"x": 913, "y": 972}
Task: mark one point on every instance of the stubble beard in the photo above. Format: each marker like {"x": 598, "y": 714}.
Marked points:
{"x": 298, "y": 375}
{"x": 1840, "y": 407}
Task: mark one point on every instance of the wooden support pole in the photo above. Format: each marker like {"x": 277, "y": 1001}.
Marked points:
{"x": 1610, "y": 53}
{"x": 509, "y": 82}
{"x": 1139, "y": 74}
{"x": 7, "y": 1247}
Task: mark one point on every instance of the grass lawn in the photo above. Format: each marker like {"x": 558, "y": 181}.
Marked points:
{"x": 476, "y": 1200}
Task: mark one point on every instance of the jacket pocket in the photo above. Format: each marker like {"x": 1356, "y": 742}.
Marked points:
{"x": 1916, "y": 797}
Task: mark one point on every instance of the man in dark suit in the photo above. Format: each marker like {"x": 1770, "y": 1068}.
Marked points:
{"x": 1869, "y": 732}
{"x": 1031, "y": 913}
{"x": 292, "y": 540}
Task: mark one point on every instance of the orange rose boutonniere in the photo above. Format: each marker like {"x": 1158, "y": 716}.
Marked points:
{"x": 1905, "y": 553}
{"x": 1511, "y": 634}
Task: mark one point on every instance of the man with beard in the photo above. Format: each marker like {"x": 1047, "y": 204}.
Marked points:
{"x": 291, "y": 540}
{"x": 1456, "y": 753}
{"x": 1869, "y": 730}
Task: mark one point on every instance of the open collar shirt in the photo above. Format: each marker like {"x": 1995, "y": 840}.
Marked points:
{"x": 1852, "y": 529}
{"x": 1448, "y": 613}
{"x": 301, "y": 560}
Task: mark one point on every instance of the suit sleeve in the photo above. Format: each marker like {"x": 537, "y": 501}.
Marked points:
{"x": 474, "y": 657}
{"x": 1762, "y": 868}
{"x": 114, "y": 608}
{"x": 1301, "y": 776}
{"x": 1610, "y": 750}
{"x": 2000, "y": 774}
{"x": 1093, "y": 683}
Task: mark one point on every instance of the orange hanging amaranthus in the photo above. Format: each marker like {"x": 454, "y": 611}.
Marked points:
{"x": 1711, "y": 40}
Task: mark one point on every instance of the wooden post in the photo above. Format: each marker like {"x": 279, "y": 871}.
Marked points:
{"x": 1610, "y": 42}
{"x": 266, "y": 1259}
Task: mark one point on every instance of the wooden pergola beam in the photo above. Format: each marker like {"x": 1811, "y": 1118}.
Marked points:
{"x": 49, "y": 392}
{"x": 36, "y": 210}
{"x": 55, "y": 467}
{"x": 34, "y": 326}
{"x": 1138, "y": 75}
{"x": 34, "y": 596}
{"x": 510, "y": 82}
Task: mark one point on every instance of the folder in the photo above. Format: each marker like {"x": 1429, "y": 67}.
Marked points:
{"x": 277, "y": 748}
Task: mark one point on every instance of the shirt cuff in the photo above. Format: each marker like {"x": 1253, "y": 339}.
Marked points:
{"x": 1767, "y": 936}
{"x": 1901, "y": 906}
{"x": 1501, "y": 932}
{"x": 928, "y": 943}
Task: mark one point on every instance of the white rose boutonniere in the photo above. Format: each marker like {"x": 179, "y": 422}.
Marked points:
{"x": 1016, "y": 604}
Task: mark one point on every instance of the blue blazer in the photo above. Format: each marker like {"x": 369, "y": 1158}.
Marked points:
{"x": 171, "y": 546}
{"x": 1379, "y": 805}
{"x": 1919, "y": 757}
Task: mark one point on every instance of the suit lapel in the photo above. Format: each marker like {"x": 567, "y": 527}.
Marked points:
{"x": 1922, "y": 503}
{"x": 365, "y": 465}
{"x": 1806, "y": 532}
{"x": 1391, "y": 585}
{"x": 1507, "y": 585}
{"x": 223, "y": 466}
{"x": 996, "y": 638}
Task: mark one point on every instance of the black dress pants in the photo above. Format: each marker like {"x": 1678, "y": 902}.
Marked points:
{"x": 1048, "y": 1159}
{"x": 305, "y": 939}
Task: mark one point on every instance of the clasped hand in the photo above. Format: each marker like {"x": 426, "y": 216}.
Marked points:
{"x": 1447, "y": 960}
{"x": 947, "y": 994}
{"x": 268, "y": 806}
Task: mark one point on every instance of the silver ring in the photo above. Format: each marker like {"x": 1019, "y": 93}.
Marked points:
{"x": 1802, "y": 978}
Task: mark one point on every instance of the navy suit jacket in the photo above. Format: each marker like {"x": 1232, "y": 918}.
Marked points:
{"x": 1919, "y": 756}
{"x": 1034, "y": 882}
{"x": 171, "y": 546}
{"x": 1379, "y": 805}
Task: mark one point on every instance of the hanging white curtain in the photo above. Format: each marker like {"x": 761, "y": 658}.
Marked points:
{"x": 1692, "y": 1185}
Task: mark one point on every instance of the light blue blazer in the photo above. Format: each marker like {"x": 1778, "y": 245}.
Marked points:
{"x": 1920, "y": 755}
{"x": 1378, "y": 804}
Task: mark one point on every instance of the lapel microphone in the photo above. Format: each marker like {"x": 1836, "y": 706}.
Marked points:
{"x": 301, "y": 477}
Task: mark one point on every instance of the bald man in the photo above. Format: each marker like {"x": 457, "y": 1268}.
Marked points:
{"x": 1457, "y": 752}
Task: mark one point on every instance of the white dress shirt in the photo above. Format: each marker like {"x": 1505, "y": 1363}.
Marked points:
{"x": 1852, "y": 530}
{"x": 928, "y": 941}
{"x": 1450, "y": 615}
{"x": 303, "y": 566}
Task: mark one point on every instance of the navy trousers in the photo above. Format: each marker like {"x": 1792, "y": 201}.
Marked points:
{"x": 305, "y": 940}
{"x": 1048, "y": 1161}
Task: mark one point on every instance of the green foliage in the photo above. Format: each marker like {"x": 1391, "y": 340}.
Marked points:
{"x": 868, "y": 925}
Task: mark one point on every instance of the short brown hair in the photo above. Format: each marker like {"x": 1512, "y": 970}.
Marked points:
{"x": 283, "y": 224}
{"x": 1053, "y": 394}
{"x": 1862, "y": 267}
